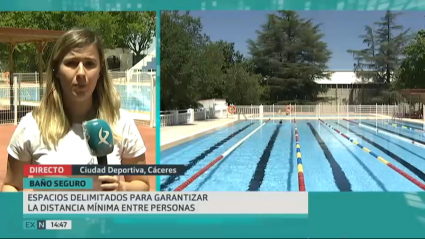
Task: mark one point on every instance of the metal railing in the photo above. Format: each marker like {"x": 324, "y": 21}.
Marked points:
{"x": 137, "y": 91}
{"x": 169, "y": 118}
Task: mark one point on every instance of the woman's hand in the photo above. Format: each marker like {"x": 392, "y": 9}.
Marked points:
{"x": 111, "y": 183}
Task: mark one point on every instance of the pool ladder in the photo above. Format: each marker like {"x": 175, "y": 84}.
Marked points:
{"x": 397, "y": 116}
{"x": 239, "y": 116}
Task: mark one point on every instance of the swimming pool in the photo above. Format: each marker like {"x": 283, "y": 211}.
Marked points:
{"x": 133, "y": 97}
{"x": 267, "y": 160}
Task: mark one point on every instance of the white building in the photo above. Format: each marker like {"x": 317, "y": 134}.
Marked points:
{"x": 345, "y": 87}
{"x": 125, "y": 58}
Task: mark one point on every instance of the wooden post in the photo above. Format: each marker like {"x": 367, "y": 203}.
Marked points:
{"x": 11, "y": 70}
{"x": 40, "y": 49}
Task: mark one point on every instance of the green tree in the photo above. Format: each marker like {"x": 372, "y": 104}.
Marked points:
{"x": 104, "y": 23}
{"x": 209, "y": 71}
{"x": 136, "y": 31}
{"x": 290, "y": 54}
{"x": 194, "y": 68}
{"x": 25, "y": 55}
{"x": 381, "y": 58}
{"x": 411, "y": 73}
{"x": 242, "y": 87}
{"x": 231, "y": 56}
{"x": 181, "y": 39}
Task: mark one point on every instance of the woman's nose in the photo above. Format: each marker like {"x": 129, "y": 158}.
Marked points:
{"x": 80, "y": 69}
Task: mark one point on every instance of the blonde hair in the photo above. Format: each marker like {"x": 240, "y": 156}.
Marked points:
{"x": 52, "y": 120}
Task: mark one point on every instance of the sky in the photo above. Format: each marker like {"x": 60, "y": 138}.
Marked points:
{"x": 341, "y": 28}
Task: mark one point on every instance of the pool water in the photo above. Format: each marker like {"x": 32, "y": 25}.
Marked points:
{"x": 133, "y": 97}
{"x": 267, "y": 160}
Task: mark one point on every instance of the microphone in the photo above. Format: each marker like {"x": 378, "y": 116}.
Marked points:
{"x": 99, "y": 138}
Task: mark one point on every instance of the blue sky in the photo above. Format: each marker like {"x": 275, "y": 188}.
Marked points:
{"x": 341, "y": 28}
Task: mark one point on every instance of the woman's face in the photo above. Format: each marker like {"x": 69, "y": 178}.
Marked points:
{"x": 79, "y": 72}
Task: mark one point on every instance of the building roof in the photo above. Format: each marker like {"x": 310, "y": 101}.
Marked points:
{"x": 341, "y": 77}
{"x": 23, "y": 35}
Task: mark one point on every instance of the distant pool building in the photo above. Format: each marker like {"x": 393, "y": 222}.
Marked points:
{"x": 345, "y": 87}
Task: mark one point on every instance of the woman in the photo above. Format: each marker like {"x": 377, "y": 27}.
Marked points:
{"x": 77, "y": 89}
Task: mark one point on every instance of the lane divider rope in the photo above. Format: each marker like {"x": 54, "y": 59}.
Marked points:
{"x": 300, "y": 168}
{"x": 404, "y": 127}
{"x": 419, "y": 144}
{"x": 399, "y": 171}
{"x": 186, "y": 183}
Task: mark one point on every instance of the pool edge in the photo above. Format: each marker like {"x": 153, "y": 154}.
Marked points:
{"x": 196, "y": 135}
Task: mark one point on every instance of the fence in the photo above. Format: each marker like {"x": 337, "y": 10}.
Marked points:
{"x": 137, "y": 91}
{"x": 169, "y": 118}
{"x": 179, "y": 117}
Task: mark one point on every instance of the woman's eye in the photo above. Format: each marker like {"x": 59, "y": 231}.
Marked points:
{"x": 71, "y": 63}
{"x": 89, "y": 64}
{"x": 74, "y": 64}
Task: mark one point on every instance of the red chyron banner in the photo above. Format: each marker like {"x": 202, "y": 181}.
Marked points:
{"x": 68, "y": 170}
{"x": 40, "y": 170}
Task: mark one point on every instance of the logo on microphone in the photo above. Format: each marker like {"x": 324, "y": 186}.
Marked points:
{"x": 102, "y": 138}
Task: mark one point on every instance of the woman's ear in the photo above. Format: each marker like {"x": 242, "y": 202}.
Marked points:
{"x": 55, "y": 73}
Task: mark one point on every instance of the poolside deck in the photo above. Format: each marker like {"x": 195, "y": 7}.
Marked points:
{"x": 178, "y": 134}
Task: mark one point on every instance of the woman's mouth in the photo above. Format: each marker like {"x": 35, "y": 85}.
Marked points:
{"x": 80, "y": 87}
